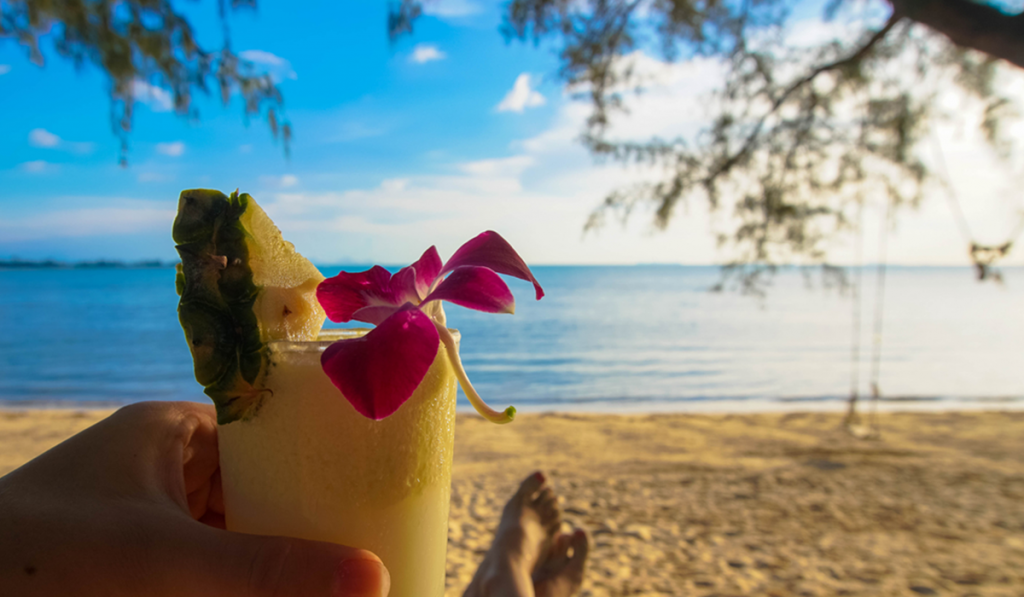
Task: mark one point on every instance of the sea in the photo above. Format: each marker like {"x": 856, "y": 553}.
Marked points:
{"x": 644, "y": 338}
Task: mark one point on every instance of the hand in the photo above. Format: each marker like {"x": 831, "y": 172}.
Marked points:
{"x": 133, "y": 506}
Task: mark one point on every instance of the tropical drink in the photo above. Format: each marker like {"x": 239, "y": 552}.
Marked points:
{"x": 310, "y": 466}
{"x": 333, "y": 435}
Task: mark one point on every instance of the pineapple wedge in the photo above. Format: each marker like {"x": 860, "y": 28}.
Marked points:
{"x": 241, "y": 286}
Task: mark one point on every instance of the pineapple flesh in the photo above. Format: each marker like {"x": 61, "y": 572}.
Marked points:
{"x": 241, "y": 286}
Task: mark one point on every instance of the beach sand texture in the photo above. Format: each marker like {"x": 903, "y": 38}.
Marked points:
{"x": 761, "y": 504}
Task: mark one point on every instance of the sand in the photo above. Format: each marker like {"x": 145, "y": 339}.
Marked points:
{"x": 763, "y": 504}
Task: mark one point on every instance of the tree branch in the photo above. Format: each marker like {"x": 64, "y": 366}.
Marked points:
{"x": 970, "y": 25}
{"x": 781, "y": 99}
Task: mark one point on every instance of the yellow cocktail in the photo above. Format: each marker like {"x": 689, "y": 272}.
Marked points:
{"x": 308, "y": 465}
{"x": 345, "y": 436}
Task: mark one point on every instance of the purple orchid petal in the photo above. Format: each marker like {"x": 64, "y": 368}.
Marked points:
{"x": 477, "y": 288}
{"x": 347, "y": 294}
{"x": 427, "y": 269}
{"x": 490, "y": 250}
{"x": 378, "y": 372}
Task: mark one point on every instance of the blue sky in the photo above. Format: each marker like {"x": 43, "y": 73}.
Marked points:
{"x": 429, "y": 141}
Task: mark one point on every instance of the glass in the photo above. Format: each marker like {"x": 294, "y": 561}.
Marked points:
{"x": 307, "y": 465}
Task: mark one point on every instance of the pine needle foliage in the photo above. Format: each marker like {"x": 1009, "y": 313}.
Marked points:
{"x": 144, "y": 44}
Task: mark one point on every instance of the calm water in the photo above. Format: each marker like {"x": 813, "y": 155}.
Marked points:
{"x": 604, "y": 337}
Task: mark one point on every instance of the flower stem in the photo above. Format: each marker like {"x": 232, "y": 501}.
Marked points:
{"x": 478, "y": 403}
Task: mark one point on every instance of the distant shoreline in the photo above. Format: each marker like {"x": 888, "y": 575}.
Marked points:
{"x": 8, "y": 264}
{"x": 98, "y": 264}
{"x": 630, "y": 407}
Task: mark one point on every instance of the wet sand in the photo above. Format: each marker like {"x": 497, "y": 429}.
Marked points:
{"x": 752, "y": 504}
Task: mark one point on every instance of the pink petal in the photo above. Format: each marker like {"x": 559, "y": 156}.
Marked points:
{"x": 347, "y": 296}
{"x": 403, "y": 286}
{"x": 489, "y": 249}
{"x": 427, "y": 269}
{"x": 477, "y": 288}
{"x": 374, "y": 315}
{"x": 346, "y": 293}
{"x": 378, "y": 372}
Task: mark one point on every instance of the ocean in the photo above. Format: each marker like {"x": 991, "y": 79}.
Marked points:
{"x": 604, "y": 339}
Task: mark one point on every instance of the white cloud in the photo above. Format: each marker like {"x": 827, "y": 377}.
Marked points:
{"x": 122, "y": 217}
{"x": 38, "y": 167}
{"x": 281, "y": 182}
{"x": 154, "y": 177}
{"x": 43, "y": 138}
{"x": 394, "y": 185}
{"x": 262, "y": 57}
{"x": 540, "y": 193}
{"x": 172, "y": 149}
{"x": 4, "y": 69}
{"x": 278, "y": 68}
{"x": 521, "y": 96}
{"x": 451, "y": 8}
{"x": 673, "y": 104}
{"x": 425, "y": 53}
{"x": 158, "y": 100}
{"x": 513, "y": 166}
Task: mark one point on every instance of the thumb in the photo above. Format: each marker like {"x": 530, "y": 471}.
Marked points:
{"x": 226, "y": 564}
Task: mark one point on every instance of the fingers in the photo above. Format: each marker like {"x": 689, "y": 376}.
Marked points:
{"x": 222, "y": 564}
{"x": 174, "y": 445}
{"x": 200, "y": 456}
{"x": 136, "y": 452}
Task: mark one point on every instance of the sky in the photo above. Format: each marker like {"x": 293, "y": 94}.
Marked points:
{"x": 397, "y": 147}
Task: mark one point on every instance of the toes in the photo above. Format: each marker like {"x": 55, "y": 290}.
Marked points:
{"x": 546, "y": 504}
{"x": 562, "y": 573}
{"x": 557, "y": 558}
{"x": 560, "y": 550}
{"x": 546, "y": 498}
{"x": 529, "y": 486}
{"x": 580, "y": 544}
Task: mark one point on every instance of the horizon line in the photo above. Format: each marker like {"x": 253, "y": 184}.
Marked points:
{"x": 54, "y": 263}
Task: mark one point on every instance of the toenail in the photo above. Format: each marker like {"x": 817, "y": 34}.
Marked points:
{"x": 539, "y": 476}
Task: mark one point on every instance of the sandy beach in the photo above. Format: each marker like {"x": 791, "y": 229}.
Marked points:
{"x": 753, "y": 504}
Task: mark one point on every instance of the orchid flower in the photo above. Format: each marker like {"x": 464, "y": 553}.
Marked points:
{"x": 379, "y": 371}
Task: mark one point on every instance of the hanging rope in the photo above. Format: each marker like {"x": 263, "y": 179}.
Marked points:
{"x": 876, "y": 348}
{"x": 851, "y": 410}
{"x": 852, "y": 421}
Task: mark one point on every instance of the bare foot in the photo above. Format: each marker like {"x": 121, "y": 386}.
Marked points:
{"x": 522, "y": 543}
{"x": 561, "y": 574}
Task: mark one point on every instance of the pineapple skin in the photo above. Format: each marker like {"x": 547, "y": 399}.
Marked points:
{"x": 241, "y": 286}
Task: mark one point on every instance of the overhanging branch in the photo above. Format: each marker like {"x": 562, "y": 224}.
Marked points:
{"x": 970, "y": 25}
{"x": 751, "y": 139}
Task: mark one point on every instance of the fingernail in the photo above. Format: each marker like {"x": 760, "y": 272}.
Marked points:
{"x": 539, "y": 476}
{"x": 362, "y": 578}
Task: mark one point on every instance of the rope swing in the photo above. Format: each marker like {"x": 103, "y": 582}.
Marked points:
{"x": 983, "y": 257}
{"x": 852, "y": 421}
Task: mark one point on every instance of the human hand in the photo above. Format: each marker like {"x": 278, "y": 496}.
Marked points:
{"x": 133, "y": 506}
